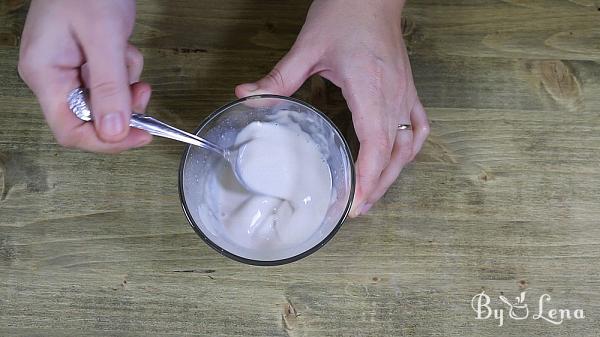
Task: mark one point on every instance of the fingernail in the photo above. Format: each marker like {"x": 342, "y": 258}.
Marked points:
{"x": 355, "y": 211}
{"x": 365, "y": 208}
{"x": 144, "y": 142}
{"x": 112, "y": 124}
{"x": 145, "y": 97}
{"x": 251, "y": 87}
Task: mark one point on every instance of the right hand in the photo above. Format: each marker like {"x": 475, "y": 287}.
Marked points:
{"x": 70, "y": 43}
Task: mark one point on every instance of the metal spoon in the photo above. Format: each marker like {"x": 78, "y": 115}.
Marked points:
{"x": 78, "y": 103}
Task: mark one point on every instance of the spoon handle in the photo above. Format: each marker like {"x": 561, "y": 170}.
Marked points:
{"x": 78, "y": 103}
{"x": 157, "y": 128}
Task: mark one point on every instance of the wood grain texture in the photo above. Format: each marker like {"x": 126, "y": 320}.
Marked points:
{"x": 503, "y": 198}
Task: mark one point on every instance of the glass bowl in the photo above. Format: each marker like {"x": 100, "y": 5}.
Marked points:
{"x": 198, "y": 165}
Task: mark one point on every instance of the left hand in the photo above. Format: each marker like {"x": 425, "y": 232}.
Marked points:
{"x": 358, "y": 46}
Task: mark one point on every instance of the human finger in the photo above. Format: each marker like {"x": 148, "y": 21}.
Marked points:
{"x": 376, "y": 136}
{"x": 421, "y": 128}
{"x": 135, "y": 63}
{"x": 285, "y": 78}
{"x": 401, "y": 155}
{"x": 109, "y": 84}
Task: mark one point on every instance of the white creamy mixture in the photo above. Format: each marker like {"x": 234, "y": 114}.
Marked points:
{"x": 284, "y": 164}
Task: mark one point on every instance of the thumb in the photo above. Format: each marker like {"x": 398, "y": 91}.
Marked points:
{"x": 109, "y": 88}
{"x": 285, "y": 78}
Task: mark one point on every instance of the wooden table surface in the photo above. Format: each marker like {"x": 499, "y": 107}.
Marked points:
{"x": 504, "y": 197}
